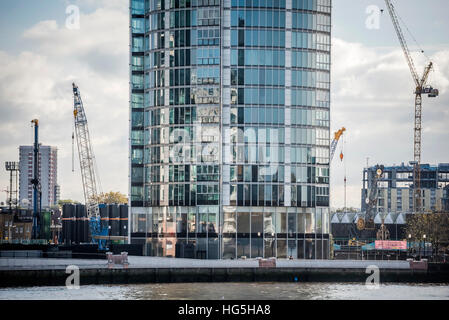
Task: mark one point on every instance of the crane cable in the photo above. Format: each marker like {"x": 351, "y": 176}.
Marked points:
{"x": 344, "y": 165}
{"x": 343, "y": 159}
{"x": 31, "y": 134}
{"x": 413, "y": 37}
{"x": 73, "y": 146}
{"x": 97, "y": 173}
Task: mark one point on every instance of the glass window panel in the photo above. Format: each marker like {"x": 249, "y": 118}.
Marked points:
{"x": 318, "y": 221}
{"x": 243, "y": 247}
{"x": 281, "y": 222}
{"x": 281, "y": 249}
{"x": 213, "y": 223}
{"x": 310, "y": 222}
{"x": 256, "y": 247}
{"x": 319, "y": 249}
{"x": 300, "y": 249}
{"x": 229, "y": 222}
{"x": 309, "y": 249}
{"x": 243, "y": 222}
{"x": 257, "y": 223}
{"x": 291, "y": 224}
{"x": 292, "y": 250}
{"x": 229, "y": 248}
{"x": 269, "y": 247}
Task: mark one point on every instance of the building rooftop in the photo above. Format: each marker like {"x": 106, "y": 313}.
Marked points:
{"x": 425, "y": 166}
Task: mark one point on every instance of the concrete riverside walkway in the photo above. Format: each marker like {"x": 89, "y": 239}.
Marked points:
{"x": 159, "y": 262}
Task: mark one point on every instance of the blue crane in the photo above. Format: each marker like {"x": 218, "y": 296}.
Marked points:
{"x": 87, "y": 167}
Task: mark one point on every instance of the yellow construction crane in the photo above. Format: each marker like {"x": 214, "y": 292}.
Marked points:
{"x": 421, "y": 88}
{"x": 334, "y": 143}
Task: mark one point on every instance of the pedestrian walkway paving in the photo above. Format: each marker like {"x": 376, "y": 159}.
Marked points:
{"x": 160, "y": 262}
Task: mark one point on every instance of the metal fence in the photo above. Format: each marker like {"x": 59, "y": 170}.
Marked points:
{"x": 21, "y": 241}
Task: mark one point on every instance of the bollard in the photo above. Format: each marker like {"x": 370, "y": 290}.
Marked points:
{"x": 110, "y": 259}
{"x": 122, "y": 259}
{"x": 125, "y": 259}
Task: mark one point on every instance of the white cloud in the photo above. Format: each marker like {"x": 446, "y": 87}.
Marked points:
{"x": 42, "y": 30}
{"x": 37, "y": 84}
{"x": 372, "y": 96}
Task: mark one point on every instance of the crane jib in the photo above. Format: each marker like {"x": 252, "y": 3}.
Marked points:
{"x": 86, "y": 156}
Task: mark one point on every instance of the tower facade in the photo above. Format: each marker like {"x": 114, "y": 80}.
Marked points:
{"x": 48, "y": 175}
{"x": 229, "y": 133}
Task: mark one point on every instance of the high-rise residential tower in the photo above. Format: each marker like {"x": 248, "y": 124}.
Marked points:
{"x": 229, "y": 132}
{"x": 48, "y": 175}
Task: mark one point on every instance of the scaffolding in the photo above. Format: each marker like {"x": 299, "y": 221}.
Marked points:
{"x": 11, "y": 198}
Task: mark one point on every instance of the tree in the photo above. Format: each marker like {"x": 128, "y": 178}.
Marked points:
{"x": 112, "y": 197}
{"x": 349, "y": 209}
{"x": 435, "y": 226}
{"x": 67, "y": 201}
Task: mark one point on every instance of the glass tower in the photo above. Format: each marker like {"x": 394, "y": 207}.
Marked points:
{"x": 229, "y": 132}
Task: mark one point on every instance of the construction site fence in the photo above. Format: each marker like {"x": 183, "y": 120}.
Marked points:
{"x": 27, "y": 242}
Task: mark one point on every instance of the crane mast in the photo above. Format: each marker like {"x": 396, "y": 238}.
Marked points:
{"x": 421, "y": 88}
{"x": 372, "y": 198}
{"x": 86, "y": 156}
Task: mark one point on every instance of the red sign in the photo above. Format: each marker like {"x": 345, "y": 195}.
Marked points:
{"x": 391, "y": 245}
{"x": 267, "y": 263}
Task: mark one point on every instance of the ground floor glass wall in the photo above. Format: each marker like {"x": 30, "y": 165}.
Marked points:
{"x": 253, "y": 232}
{"x": 203, "y": 232}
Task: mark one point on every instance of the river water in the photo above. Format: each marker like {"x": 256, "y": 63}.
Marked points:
{"x": 234, "y": 291}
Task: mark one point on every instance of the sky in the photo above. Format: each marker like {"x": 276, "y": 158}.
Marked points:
{"x": 372, "y": 89}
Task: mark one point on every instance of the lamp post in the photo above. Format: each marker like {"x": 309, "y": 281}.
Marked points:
{"x": 14, "y": 228}
{"x": 409, "y": 242}
{"x": 424, "y": 244}
{"x": 109, "y": 233}
{"x": 10, "y": 225}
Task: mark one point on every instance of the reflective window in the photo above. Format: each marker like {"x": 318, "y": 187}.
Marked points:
{"x": 137, "y": 44}
{"x": 258, "y": 18}
{"x": 175, "y": 167}
{"x": 138, "y": 7}
{"x": 138, "y": 25}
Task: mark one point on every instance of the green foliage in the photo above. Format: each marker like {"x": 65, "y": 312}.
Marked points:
{"x": 112, "y": 197}
{"x": 434, "y": 226}
{"x": 351, "y": 209}
{"x": 67, "y": 201}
